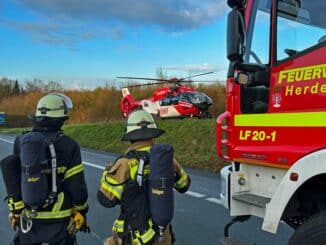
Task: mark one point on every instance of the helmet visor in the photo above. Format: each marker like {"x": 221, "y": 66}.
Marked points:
{"x": 66, "y": 100}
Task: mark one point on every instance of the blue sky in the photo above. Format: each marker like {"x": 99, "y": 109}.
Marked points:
{"x": 85, "y": 43}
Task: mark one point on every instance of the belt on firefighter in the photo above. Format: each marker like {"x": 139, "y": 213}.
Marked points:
{"x": 54, "y": 215}
{"x": 56, "y": 212}
{"x": 145, "y": 237}
{"x": 138, "y": 238}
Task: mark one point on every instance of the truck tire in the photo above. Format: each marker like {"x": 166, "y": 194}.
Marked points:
{"x": 312, "y": 232}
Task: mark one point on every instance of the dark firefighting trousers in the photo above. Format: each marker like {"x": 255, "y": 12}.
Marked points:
{"x": 45, "y": 231}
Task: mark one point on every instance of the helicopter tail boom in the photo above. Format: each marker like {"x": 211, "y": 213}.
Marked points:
{"x": 128, "y": 104}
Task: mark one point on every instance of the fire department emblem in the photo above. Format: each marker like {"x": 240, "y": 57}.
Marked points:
{"x": 276, "y": 98}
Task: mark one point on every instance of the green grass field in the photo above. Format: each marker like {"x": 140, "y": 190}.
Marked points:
{"x": 193, "y": 139}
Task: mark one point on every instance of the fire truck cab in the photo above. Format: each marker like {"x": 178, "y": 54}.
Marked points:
{"x": 273, "y": 132}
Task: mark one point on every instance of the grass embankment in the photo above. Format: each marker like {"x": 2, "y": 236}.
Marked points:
{"x": 193, "y": 139}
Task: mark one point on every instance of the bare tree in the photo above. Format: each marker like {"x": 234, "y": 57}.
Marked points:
{"x": 53, "y": 86}
{"x": 36, "y": 85}
{"x": 160, "y": 73}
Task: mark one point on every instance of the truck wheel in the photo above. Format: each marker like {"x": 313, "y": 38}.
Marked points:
{"x": 312, "y": 232}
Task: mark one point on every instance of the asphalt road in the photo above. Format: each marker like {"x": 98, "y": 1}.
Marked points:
{"x": 198, "y": 217}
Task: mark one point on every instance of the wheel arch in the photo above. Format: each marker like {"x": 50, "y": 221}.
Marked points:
{"x": 306, "y": 167}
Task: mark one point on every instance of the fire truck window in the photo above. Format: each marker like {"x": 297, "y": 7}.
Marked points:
{"x": 300, "y": 25}
{"x": 257, "y": 47}
{"x": 256, "y": 99}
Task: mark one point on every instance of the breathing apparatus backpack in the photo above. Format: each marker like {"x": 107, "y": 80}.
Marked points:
{"x": 35, "y": 148}
{"x": 150, "y": 197}
{"x": 26, "y": 175}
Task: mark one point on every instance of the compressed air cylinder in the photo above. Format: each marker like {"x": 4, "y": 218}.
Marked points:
{"x": 33, "y": 158}
{"x": 161, "y": 180}
{"x": 10, "y": 169}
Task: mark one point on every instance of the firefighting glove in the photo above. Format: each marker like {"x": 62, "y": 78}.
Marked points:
{"x": 14, "y": 220}
{"x": 77, "y": 223}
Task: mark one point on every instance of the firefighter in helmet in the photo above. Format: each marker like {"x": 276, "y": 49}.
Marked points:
{"x": 58, "y": 221}
{"x": 140, "y": 131}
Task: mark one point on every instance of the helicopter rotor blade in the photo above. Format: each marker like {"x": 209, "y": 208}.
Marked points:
{"x": 145, "y": 84}
{"x": 197, "y": 75}
{"x": 146, "y": 78}
{"x": 161, "y": 81}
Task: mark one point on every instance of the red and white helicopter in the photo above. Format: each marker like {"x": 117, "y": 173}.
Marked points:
{"x": 175, "y": 101}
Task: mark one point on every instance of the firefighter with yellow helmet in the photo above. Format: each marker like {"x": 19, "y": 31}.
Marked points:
{"x": 63, "y": 210}
{"x": 120, "y": 185}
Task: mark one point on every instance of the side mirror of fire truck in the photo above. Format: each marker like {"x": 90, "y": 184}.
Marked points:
{"x": 235, "y": 36}
{"x": 236, "y": 3}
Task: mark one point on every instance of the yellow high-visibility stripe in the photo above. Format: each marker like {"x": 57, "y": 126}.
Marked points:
{"x": 145, "y": 237}
{"x": 81, "y": 207}
{"x": 54, "y": 215}
{"x": 73, "y": 171}
{"x": 145, "y": 148}
{"x": 115, "y": 190}
{"x": 295, "y": 119}
{"x": 182, "y": 182}
{"x": 61, "y": 170}
{"x": 133, "y": 167}
{"x": 15, "y": 205}
{"x": 118, "y": 226}
{"x": 133, "y": 163}
{"x": 57, "y": 206}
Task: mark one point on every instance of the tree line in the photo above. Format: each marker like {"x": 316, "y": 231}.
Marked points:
{"x": 90, "y": 105}
{"x": 12, "y": 87}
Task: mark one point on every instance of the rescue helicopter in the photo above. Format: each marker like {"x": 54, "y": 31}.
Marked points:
{"x": 175, "y": 101}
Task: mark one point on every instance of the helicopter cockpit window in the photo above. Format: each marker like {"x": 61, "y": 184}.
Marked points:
{"x": 165, "y": 101}
{"x": 184, "y": 97}
{"x": 169, "y": 100}
{"x": 200, "y": 100}
{"x": 175, "y": 100}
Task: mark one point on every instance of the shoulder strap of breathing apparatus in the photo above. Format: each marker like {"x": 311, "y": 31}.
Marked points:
{"x": 143, "y": 160}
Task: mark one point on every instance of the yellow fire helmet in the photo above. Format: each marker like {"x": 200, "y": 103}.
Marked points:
{"x": 53, "y": 105}
{"x": 140, "y": 125}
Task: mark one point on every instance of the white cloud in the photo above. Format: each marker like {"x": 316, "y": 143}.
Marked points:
{"x": 68, "y": 22}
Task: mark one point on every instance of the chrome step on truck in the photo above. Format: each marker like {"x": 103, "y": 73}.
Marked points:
{"x": 252, "y": 199}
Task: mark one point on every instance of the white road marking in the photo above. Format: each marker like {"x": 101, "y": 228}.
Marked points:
{"x": 214, "y": 200}
{"x": 94, "y": 165}
{"x": 8, "y": 141}
{"x": 189, "y": 193}
{"x": 195, "y": 194}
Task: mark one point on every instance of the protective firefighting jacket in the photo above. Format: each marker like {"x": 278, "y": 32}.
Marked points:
{"x": 121, "y": 171}
{"x": 72, "y": 189}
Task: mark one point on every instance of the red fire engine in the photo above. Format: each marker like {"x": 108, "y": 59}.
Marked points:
{"x": 273, "y": 131}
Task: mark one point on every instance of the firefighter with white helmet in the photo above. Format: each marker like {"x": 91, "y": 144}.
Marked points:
{"x": 53, "y": 106}
{"x": 140, "y": 125}
{"x": 63, "y": 213}
{"x": 118, "y": 186}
